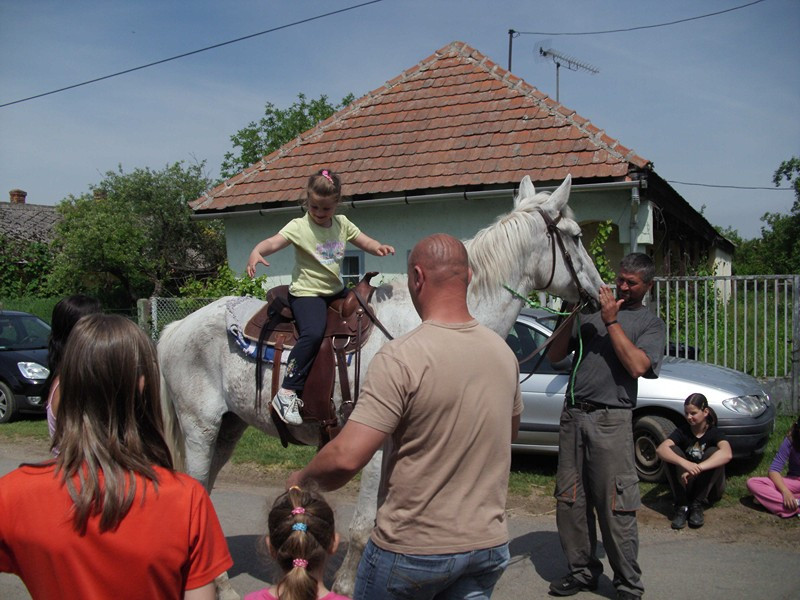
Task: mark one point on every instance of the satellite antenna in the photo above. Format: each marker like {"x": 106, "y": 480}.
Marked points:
{"x": 544, "y": 50}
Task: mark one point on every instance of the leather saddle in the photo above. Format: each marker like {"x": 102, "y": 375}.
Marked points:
{"x": 349, "y": 323}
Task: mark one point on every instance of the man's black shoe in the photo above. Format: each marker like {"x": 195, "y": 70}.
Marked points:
{"x": 696, "y": 515}
{"x": 679, "y": 518}
{"x": 568, "y": 586}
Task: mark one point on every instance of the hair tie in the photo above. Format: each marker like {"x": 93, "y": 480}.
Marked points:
{"x": 298, "y": 510}
{"x": 295, "y": 487}
{"x": 299, "y": 527}
{"x": 326, "y": 174}
{"x": 300, "y": 563}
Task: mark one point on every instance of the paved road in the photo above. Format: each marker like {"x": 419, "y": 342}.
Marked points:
{"x": 676, "y": 566}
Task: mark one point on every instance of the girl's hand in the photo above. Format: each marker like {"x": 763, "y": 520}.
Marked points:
{"x": 253, "y": 261}
{"x": 789, "y": 501}
{"x": 693, "y": 469}
{"x": 384, "y": 249}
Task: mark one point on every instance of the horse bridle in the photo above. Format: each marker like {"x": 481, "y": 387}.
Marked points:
{"x": 554, "y": 233}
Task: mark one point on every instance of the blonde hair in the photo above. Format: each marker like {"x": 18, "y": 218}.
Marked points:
{"x": 109, "y": 419}
{"x": 324, "y": 183}
{"x": 301, "y": 533}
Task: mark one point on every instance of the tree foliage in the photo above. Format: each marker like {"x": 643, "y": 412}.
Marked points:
{"x": 777, "y": 251}
{"x": 225, "y": 283}
{"x": 24, "y": 267}
{"x": 598, "y": 253}
{"x": 276, "y": 128}
{"x": 132, "y": 237}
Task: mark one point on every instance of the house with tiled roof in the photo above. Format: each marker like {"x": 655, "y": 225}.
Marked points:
{"x": 443, "y": 147}
{"x": 23, "y": 222}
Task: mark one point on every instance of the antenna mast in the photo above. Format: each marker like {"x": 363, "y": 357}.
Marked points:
{"x": 573, "y": 64}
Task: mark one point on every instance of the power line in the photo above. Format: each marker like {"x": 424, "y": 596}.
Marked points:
{"x": 719, "y": 12}
{"x": 733, "y": 187}
{"x": 185, "y": 54}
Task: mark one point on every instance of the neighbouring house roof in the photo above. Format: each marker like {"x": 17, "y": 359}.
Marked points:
{"x": 456, "y": 120}
{"x": 28, "y": 222}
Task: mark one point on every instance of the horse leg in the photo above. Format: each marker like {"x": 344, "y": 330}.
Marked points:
{"x": 230, "y": 432}
{"x": 360, "y": 527}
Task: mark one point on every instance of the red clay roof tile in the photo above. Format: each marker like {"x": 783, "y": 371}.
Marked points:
{"x": 454, "y": 120}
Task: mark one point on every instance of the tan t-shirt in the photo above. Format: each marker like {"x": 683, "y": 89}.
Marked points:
{"x": 446, "y": 393}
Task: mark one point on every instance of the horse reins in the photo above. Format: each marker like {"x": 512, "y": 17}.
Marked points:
{"x": 554, "y": 233}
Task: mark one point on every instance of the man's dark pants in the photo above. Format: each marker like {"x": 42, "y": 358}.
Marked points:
{"x": 597, "y": 475}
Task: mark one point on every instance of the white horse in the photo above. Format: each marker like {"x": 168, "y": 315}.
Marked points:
{"x": 212, "y": 386}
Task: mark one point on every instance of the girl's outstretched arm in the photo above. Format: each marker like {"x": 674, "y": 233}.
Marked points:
{"x": 265, "y": 248}
{"x": 367, "y": 244}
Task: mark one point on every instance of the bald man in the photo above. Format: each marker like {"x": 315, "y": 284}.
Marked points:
{"x": 444, "y": 403}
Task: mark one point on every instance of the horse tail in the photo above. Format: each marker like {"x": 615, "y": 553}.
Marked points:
{"x": 173, "y": 433}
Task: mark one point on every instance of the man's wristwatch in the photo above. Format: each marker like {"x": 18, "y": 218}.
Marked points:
{"x": 610, "y": 323}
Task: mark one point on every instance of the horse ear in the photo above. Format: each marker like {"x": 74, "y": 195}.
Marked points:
{"x": 526, "y": 190}
{"x": 559, "y": 198}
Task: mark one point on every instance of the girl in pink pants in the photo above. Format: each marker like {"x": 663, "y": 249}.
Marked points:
{"x": 776, "y": 493}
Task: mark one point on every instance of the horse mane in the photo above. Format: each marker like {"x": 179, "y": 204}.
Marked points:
{"x": 494, "y": 251}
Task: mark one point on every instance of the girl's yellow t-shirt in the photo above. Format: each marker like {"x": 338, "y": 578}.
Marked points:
{"x": 318, "y": 253}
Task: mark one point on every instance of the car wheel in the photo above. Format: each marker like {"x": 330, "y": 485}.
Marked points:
{"x": 648, "y": 433}
{"x": 7, "y": 404}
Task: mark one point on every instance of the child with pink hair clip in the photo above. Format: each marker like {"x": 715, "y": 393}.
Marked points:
{"x": 301, "y": 537}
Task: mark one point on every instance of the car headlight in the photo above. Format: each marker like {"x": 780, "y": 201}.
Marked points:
{"x": 32, "y": 370}
{"x": 746, "y": 405}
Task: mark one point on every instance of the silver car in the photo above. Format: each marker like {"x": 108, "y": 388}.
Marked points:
{"x": 746, "y": 415}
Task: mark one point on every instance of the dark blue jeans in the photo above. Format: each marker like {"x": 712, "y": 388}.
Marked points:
{"x": 465, "y": 575}
{"x": 310, "y": 315}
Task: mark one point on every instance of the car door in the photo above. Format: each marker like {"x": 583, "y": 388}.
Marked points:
{"x": 543, "y": 386}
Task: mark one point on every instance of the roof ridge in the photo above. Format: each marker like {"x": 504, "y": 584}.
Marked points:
{"x": 465, "y": 56}
{"x": 542, "y": 100}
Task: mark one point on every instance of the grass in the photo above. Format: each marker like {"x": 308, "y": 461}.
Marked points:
{"x": 529, "y": 473}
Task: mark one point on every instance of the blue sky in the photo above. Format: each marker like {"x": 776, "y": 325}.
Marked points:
{"x": 712, "y": 101}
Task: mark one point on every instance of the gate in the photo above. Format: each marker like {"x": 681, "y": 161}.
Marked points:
{"x": 748, "y": 323}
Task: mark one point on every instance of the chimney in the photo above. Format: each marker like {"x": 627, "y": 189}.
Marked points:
{"x": 17, "y": 196}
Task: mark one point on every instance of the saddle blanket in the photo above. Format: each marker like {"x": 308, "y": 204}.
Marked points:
{"x": 237, "y": 313}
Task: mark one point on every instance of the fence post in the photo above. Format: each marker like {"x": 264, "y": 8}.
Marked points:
{"x": 143, "y": 315}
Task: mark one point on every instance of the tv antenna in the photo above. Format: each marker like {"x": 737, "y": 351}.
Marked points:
{"x": 573, "y": 64}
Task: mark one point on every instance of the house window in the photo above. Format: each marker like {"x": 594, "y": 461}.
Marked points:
{"x": 352, "y": 267}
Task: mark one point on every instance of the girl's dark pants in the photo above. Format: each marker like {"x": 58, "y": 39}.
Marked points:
{"x": 311, "y": 315}
{"x": 707, "y": 487}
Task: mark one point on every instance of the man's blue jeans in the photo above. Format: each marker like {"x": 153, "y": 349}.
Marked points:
{"x": 472, "y": 575}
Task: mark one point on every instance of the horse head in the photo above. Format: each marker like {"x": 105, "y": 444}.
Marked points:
{"x": 567, "y": 270}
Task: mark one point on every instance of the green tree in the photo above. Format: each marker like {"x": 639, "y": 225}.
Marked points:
{"x": 777, "y": 251}
{"x": 23, "y": 267}
{"x": 132, "y": 237}
{"x": 276, "y": 128}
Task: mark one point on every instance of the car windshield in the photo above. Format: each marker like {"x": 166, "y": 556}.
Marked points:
{"x": 23, "y": 332}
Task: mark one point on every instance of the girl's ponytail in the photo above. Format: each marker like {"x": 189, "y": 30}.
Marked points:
{"x": 301, "y": 531}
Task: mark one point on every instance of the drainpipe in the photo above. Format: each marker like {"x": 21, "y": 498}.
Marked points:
{"x": 634, "y": 218}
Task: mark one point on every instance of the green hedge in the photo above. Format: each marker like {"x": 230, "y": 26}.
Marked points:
{"x": 41, "y": 307}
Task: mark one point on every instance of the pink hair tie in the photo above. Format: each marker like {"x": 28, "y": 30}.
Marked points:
{"x": 298, "y": 510}
{"x": 300, "y": 563}
{"x": 326, "y": 174}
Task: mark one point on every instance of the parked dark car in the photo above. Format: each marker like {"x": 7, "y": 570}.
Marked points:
{"x": 23, "y": 364}
{"x": 746, "y": 414}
